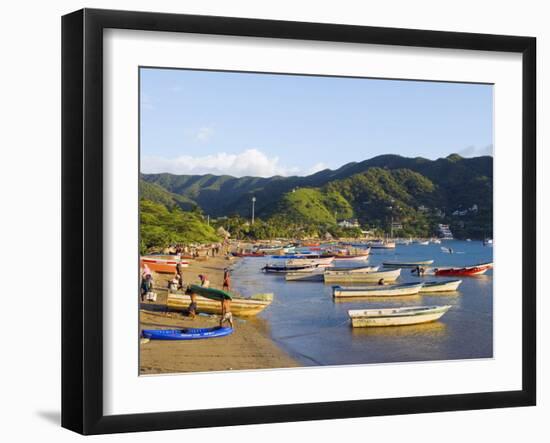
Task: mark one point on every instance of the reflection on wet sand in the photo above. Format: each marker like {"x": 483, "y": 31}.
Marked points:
{"x": 433, "y": 329}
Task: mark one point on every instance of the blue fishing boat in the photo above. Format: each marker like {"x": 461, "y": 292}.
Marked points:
{"x": 186, "y": 334}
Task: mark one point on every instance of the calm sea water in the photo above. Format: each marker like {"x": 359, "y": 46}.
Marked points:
{"x": 310, "y": 325}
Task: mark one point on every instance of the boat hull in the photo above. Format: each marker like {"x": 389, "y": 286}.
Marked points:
{"x": 162, "y": 266}
{"x": 304, "y": 276}
{"x": 465, "y": 272}
{"x": 242, "y": 307}
{"x": 376, "y": 291}
{"x": 185, "y": 334}
{"x": 396, "y": 317}
{"x": 361, "y": 277}
{"x": 407, "y": 264}
{"x": 448, "y": 286}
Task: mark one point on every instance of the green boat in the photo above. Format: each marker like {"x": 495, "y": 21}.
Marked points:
{"x": 211, "y": 293}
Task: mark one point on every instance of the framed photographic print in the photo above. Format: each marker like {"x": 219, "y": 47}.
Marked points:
{"x": 269, "y": 221}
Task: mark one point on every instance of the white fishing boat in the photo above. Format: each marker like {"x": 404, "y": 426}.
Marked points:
{"x": 377, "y": 290}
{"x": 359, "y": 269}
{"x": 423, "y": 242}
{"x": 317, "y": 274}
{"x": 313, "y": 275}
{"x": 321, "y": 262}
{"x": 382, "y": 245}
{"x": 409, "y": 264}
{"x": 336, "y": 276}
{"x": 411, "y": 315}
{"x": 351, "y": 257}
{"x": 441, "y": 286}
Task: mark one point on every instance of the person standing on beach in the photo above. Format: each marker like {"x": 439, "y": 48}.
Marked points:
{"x": 227, "y": 316}
{"x": 146, "y": 286}
{"x": 226, "y": 280}
{"x": 205, "y": 283}
{"x": 192, "y": 309}
{"x": 174, "y": 284}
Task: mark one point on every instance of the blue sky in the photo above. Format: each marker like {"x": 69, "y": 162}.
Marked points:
{"x": 197, "y": 122}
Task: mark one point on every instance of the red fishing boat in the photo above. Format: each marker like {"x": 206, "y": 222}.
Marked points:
{"x": 162, "y": 265}
{"x": 466, "y": 271}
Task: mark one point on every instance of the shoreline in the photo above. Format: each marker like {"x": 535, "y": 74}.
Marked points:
{"x": 249, "y": 347}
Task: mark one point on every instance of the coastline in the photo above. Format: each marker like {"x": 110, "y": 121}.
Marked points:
{"x": 249, "y": 347}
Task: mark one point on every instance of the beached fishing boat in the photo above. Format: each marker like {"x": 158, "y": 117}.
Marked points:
{"x": 186, "y": 334}
{"x": 410, "y": 264}
{"x": 284, "y": 268}
{"x": 336, "y": 276}
{"x": 242, "y": 307}
{"x": 211, "y": 293}
{"x": 411, "y": 315}
{"x": 377, "y": 290}
{"x": 161, "y": 265}
{"x": 441, "y": 286}
{"x": 466, "y": 271}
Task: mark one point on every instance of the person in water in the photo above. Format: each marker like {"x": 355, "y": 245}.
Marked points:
{"x": 226, "y": 280}
{"x": 227, "y": 316}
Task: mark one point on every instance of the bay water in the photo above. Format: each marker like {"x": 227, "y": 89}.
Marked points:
{"x": 314, "y": 328}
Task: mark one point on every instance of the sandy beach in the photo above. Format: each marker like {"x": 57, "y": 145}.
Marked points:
{"x": 249, "y": 347}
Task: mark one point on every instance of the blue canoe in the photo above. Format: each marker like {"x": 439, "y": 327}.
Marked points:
{"x": 185, "y": 334}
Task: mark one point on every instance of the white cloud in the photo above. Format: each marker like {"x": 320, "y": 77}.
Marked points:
{"x": 251, "y": 162}
{"x": 473, "y": 151}
{"x": 204, "y": 134}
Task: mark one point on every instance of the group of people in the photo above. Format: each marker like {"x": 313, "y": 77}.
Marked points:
{"x": 213, "y": 250}
{"x": 177, "y": 283}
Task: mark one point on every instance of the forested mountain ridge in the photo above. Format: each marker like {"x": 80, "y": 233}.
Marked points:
{"x": 458, "y": 183}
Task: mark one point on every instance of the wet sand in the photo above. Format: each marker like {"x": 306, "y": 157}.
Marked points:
{"x": 249, "y": 347}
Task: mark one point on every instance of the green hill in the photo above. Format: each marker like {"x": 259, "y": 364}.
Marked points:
{"x": 421, "y": 193}
{"x": 460, "y": 181}
{"x": 161, "y": 226}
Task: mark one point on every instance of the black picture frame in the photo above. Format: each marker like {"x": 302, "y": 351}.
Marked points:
{"x": 82, "y": 218}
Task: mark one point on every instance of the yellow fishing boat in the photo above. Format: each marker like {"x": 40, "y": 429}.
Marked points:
{"x": 242, "y": 307}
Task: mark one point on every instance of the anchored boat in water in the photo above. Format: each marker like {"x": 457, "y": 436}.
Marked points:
{"x": 337, "y": 276}
{"x": 410, "y": 315}
{"x": 466, "y": 271}
{"x": 377, "y": 290}
{"x": 441, "y": 286}
{"x": 409, "y": 264}
{"x": 284, "y": 268}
